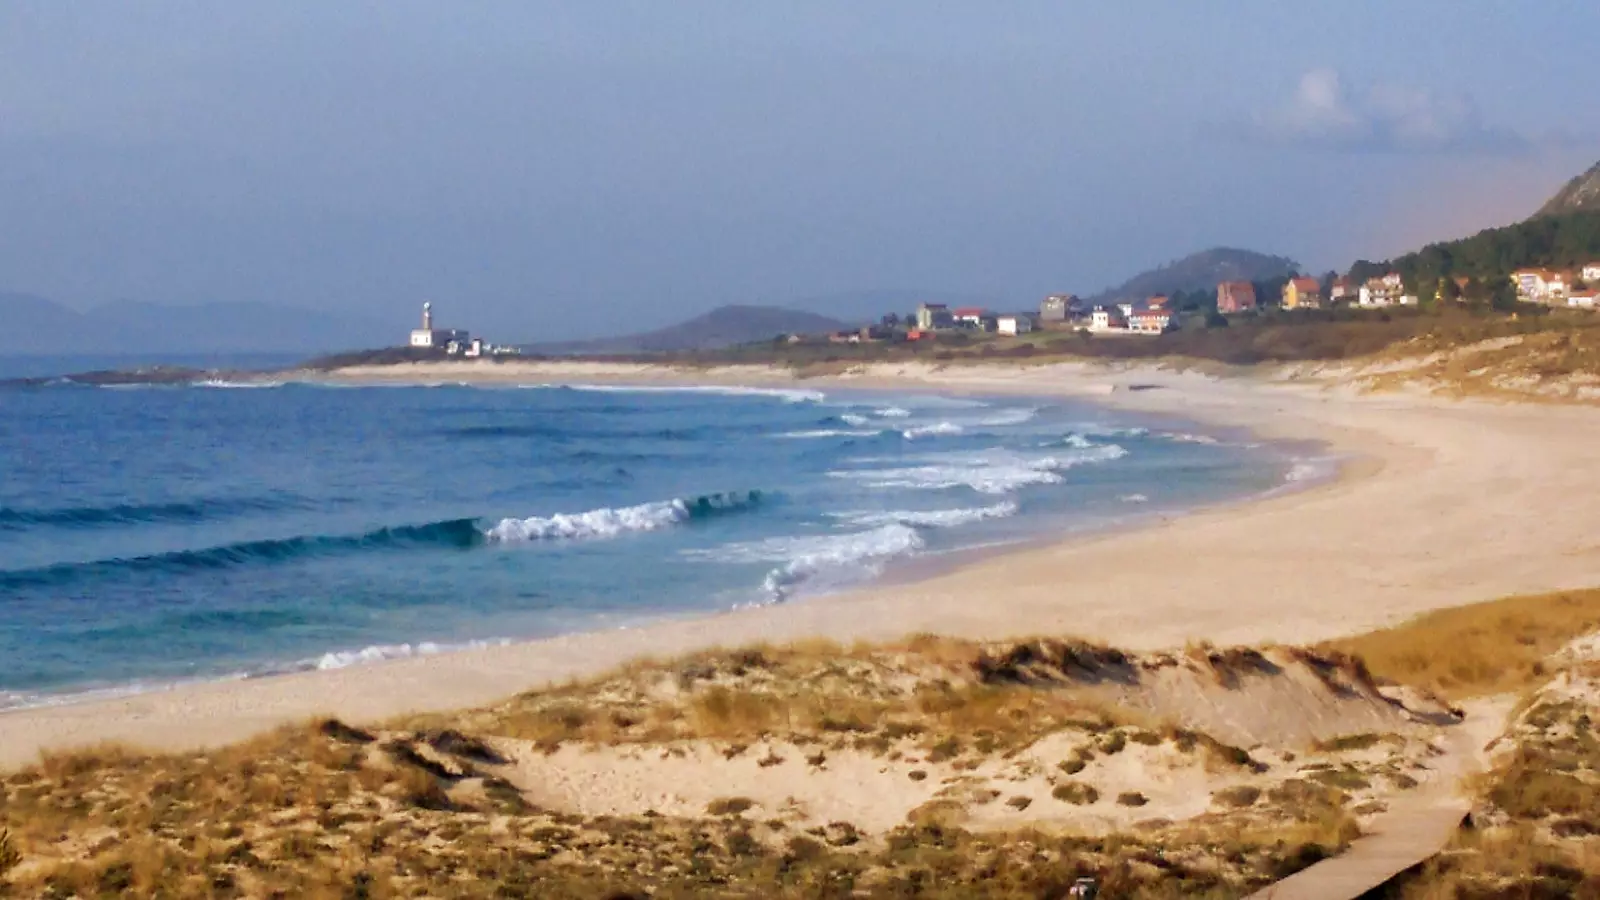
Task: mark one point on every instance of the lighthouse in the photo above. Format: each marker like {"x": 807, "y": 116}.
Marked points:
{"x": 431, "y": 338}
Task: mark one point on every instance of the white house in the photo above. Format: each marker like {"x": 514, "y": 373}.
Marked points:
{"x": 971, "y": 316}
{"x": 1583, "y": 299}
{"x": 1152, "y": 320}
{"x": 1014, "y": 325}
{"x": 1591, "y": 274}
{"x": 1127, "y": 308}
{"x": 1385, "y": 290}
{"x": 1107, "y": 318}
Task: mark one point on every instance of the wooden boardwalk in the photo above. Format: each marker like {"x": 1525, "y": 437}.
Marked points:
{"x": 1417, "y": 825}
{"x": 1395, "y": 842}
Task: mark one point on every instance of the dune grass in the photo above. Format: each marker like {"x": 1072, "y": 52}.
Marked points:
{"x": 1481, "y": 649}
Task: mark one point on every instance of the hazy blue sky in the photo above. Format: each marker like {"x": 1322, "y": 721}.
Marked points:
{"x": 578, "y": 167}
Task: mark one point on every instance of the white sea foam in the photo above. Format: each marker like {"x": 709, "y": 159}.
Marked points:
{"x": 1312, "y": 469}
{"x": 1077, "y": 440}
{"x": 932, "y": 430}
{"x": 929, "y": 518}
{"x": 596, "y": 523}
{"x": 892, "y": 412}
{"x": 1185, "y": 438}
{"x": 340, "y": 659}
{"x": 996, "y": 471}
{"x": 1134, "y": 498}
{"x": 1008, "y": 417}
{"x": 224, "y": 383}
{"x": 830, "y": 433}
{"x": 853, "y": 419}
{"x": 820, "y": 562}
{"x": 788, "y": 395}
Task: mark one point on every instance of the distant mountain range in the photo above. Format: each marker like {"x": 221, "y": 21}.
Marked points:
{"x": 35, "y": 325}
{"x": 1581, "y": 194}
{"x": 722, "y": 327}
{"x": 1201, "y": 271}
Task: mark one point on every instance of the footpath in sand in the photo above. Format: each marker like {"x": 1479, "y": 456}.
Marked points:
{"x": 1443, "y": 503}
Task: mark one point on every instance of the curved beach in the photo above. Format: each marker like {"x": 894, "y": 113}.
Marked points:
{"x": 1441, "y": 503}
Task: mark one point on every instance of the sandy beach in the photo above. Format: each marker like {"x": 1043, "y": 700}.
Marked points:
{"x": 1441, "y": 503}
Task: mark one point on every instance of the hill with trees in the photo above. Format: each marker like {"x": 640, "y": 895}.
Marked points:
{"x": 1581, "y": 194}
{"x": 725, "y": 326}
{"x": 1201, "y": 272}
{"x": 1488, "y": 258}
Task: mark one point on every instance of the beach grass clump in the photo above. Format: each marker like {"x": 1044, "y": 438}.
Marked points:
{"x": 1494, "y": 647}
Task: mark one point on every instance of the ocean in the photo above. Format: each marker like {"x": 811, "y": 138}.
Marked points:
{"x": 151, "y": 536}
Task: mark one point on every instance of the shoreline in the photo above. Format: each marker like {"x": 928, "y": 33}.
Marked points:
{"x": 899, "y": 572}
{"x": 1214, "y": 586}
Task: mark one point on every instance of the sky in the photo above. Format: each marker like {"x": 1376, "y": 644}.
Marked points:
{"x": 567, "y": 169}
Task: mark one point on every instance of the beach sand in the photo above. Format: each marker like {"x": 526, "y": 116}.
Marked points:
{"x": 1442, "y": 503}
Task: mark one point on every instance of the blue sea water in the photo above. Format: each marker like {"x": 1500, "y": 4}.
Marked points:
{"x": 158, "y": 534}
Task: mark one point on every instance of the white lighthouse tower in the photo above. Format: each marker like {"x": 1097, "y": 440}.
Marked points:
{"x": 425, "y": 336}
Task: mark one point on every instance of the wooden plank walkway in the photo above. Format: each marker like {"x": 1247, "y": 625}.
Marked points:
{"x": 1415, "y": 828}
{"x": 1395, "y": 842}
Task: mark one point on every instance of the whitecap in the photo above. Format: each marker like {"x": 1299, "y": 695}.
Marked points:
{"x": 929, "y": 518}
{"x": 224, "y": 383}
{"x": 788, "y": 395}
{"x": 820, "y": 562}
{"x": 1186, "y": 438}
{"x": 996, "y": 471}
{"x": 596, "y": 523}
{"x": 1008, "y": 417}
{"x": 340, "y": 659}
{"x": 932, "y": 430}
{"x": 830, "y": 433}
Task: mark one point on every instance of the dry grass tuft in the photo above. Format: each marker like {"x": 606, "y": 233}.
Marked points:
{"x": 1485, "y": 648}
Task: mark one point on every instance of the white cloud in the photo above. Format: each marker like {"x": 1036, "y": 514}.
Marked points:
{"x": 1383, "y": 118}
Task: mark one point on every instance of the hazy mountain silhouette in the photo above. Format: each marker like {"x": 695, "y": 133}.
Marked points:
{"x": 36, "y": 325}
{"x": 721, "y": 327}
{"x": 1201, "y": 271}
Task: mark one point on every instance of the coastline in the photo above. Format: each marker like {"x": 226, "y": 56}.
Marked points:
{"x": 1402, "y": 529}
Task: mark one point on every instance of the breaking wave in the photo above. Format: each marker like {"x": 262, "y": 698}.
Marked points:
{"x": 930, "y": 518}
{"x": 933, "y": 430}
{"x": 608, "y": 522}
{"x": 831, "y": 432}
{"x": 788, "y": 395}
{"x": 987, "y": 472}
{"x": 820, "y": 563}
{"x": 447, "y": 534}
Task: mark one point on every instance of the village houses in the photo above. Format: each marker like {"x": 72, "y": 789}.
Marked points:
{"x": 1384, "y": 290}
{"x": 1344, "y": 288}
{"x": 1547, "y": 285}
{"x": 1302, "y": 292}
{"x": 1057, "y": 307}
{"x": 932, "y": 316}
{"x": 1153, "y": 316}
{"x": 1235, "y": 297}
{"x": 1014, "y": 325}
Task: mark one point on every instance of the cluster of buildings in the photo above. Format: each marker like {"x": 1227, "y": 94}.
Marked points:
{"x": 1153, "y": 316}
{"x": 1556, "y": 288}
{"x": 454, "y": 341}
